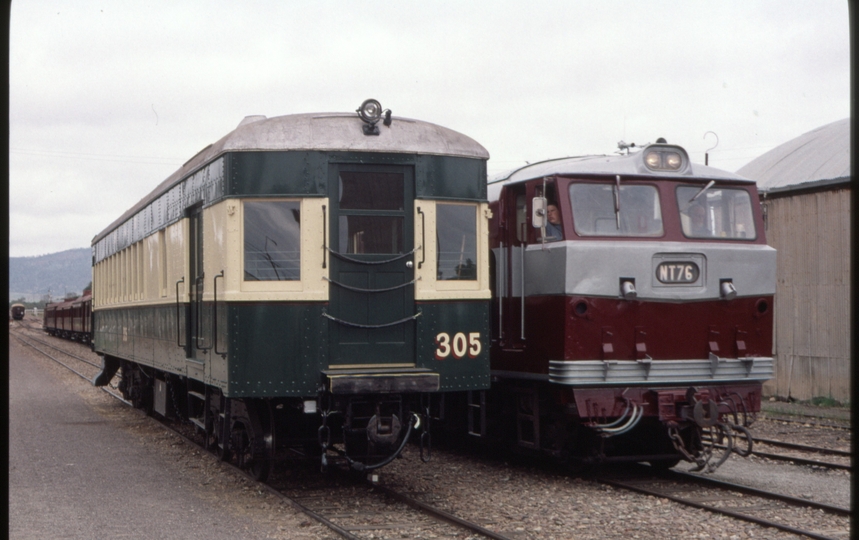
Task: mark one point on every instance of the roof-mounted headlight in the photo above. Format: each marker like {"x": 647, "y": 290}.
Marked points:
{"x": 665, "y": 158}
{"x": 371, "y": 112}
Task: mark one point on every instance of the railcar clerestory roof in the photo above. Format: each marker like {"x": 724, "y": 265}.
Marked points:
{"x": 323, "y": 132}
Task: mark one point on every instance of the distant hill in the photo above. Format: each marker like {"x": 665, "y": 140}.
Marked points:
{"x": 56, "y": 274}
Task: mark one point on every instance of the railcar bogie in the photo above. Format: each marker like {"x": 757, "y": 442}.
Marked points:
{"x": 291, "y": 283}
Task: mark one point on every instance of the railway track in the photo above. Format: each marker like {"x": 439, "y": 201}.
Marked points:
{"x": 353, "y": 509}
{"x": 803, "y": 454}
{"x": 764, "y": 508}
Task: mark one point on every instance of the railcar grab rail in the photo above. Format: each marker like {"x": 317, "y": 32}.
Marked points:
{"x": 178, "y": 325}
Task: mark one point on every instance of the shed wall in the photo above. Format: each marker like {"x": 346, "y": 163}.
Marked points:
{"x": 812, "y": 305}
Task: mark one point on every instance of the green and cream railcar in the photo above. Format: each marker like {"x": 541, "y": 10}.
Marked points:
{"x": 301, "y": 287}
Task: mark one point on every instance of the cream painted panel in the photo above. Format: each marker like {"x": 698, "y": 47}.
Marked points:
{"x": 215, "y": 254}
{"x": 177, "y": 260}
{"x": 428, "y": 287}
{"x": 152, "y": 268}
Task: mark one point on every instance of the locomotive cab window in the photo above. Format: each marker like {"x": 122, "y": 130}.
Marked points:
{"x": 602, "y": 210}
{"x": 272, "y": 241}
{"x": 457, "y": 242}
{"x": 721, "y": 213}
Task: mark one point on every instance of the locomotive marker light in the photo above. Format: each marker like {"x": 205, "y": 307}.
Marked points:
{"x": 729, "y": 292}
{"x": 371, "y": 112}
{"x": 627, "y": 288}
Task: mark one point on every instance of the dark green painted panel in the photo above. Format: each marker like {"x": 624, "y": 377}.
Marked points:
{"x": 146, "y": 335}
{"x": 277, "y": 173}
{"x": 452, "y": 318}
{"x": 280, "y": 349}
{"x": 443, "y": 177}
{"x": 276, "y": 349}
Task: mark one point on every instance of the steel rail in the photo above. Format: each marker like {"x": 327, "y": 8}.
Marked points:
{"x": 796, "y": 501}
{"x": 803, "y": 461}
{"x": 440, "y": 514}
{"x": 804, "y": 448}
{"x": 84, "y": 360}
{"x": 715, "y": 510}
{"x": 68, "y": 367}
{"x": 805, "y": 420}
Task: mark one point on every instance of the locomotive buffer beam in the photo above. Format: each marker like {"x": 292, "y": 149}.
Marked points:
{"x": 381, "y": 381}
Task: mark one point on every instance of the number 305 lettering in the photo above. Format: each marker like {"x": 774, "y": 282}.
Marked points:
{"x": 460, "y": 346}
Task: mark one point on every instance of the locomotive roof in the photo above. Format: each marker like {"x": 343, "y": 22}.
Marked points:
{"x": 324, "y": 132}
{"x": 627, "y": 165}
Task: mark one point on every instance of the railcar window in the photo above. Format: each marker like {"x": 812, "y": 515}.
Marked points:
{"x": 371, "y": 234}
{"x": 456, "y": 230}
{"x": 716, "y": 213}
{"x": 371, "y": 191}
{"x": 272, "y": 241}
{"x": 594, "y": 210}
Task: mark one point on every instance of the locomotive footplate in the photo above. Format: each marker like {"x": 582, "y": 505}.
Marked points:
{"x": 381, "y": 380}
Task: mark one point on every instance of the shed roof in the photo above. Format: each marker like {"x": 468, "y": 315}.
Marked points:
{"x": 815, "y": 159}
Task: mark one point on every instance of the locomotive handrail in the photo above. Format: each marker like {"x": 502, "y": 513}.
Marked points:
{"x": 423, "y": 238}
{"x": 358, "y": 325}
{"x": 357, "y": 289}
{"x": 178, "y": 326}
{"x": 522, "y": 284}
{"x": 215, "y": 316}
{"x": 199, "y": 308}
{"x": 357, "y": 261}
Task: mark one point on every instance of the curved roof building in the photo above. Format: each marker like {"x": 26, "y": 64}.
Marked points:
{"x": 814, "y": 160}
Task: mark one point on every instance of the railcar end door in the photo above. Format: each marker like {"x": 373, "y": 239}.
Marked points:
{"x": 371, "y": 310}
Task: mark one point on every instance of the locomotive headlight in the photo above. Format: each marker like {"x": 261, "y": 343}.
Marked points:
{"x": 665, "y": 158}
{"x": 673, "y": 161}
{"x": 652, "y": 160}
{"x": 370, "y": 111}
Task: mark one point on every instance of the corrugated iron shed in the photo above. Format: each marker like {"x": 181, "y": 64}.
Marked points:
{"x": 812, "y": 160}
{"x": 805, "y": 184}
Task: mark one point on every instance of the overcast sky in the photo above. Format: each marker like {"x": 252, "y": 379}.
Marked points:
{"x": 107, "y": 99}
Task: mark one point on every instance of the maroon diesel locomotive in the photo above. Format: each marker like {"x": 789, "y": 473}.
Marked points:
{"x": 632, "y": 311}
{"x": 70, "y": 319}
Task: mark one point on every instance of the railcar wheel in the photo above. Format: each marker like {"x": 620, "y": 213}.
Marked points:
{"x": 257, "y": 465}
